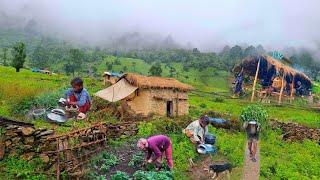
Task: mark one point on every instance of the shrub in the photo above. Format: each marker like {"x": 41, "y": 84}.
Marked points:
{"x": 120, "y": 176}
{"x": 152, "y": 175}
{"x": 202, "y": 105}
{"x": 254, "y": 112}
{"x": 218, "y": 99}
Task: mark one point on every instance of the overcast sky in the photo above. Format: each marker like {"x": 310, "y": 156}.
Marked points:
{"x": 211, "y": 23}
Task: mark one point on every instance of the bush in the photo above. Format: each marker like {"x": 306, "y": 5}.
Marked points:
{"x": 151, "y": 175}
{"x": 218, "y": 99}
{"x": 202, "y": 105}
{"x": 120, "y": 176}
{"x": 254, "y": 112}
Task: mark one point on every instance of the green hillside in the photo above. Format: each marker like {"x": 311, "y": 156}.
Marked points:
{"x": 211, "y": 93}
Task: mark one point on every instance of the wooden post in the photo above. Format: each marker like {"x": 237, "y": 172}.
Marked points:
{"x": 281, "y": 90}
{"x": 292, "y": 88}
{"x": 255, "y": 80}
{"x": 177, "y": 104}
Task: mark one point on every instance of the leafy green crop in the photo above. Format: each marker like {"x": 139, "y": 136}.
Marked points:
{"x": 16, "y": 168}
{"x": 254, "y": 112}
{"x": 152, "y": 175}
{"x": 120, "y": 176}
{"x": 137, "y": 159}
{"x": 104, "y": 161}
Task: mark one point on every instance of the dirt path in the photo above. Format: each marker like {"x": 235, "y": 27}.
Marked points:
{"x": 251, "y": 170}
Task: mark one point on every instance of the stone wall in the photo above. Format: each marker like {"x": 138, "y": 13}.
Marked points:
{"x": 23, "y": 141}
{"x": 30, "y": 142}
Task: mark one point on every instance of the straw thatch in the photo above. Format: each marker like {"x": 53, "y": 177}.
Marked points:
{"x": 146, "y": 82}
{"x": 269, "y": 67}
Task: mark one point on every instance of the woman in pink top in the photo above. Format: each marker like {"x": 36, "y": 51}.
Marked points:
{"x": 158, "y": 146}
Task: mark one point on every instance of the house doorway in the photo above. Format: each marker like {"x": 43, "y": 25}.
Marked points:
{"x": 169, "y": 108}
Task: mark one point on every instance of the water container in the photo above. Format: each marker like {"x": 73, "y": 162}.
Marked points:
{"x": 210, "y": 139}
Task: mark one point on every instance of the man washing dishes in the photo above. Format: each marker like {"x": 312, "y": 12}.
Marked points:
{"x": 197, "y": 130}
{"x": 78, "y": 96}
{"x": 155, "y": 148}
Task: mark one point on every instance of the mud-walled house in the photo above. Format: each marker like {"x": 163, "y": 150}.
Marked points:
{"x": 146, "y": 95}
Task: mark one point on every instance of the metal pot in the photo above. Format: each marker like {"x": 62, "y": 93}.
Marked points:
{"x": 57, "y": 116}
{"x": 39, "y": 114}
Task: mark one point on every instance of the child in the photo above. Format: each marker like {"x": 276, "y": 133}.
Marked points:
{"x": 79, "y": 96}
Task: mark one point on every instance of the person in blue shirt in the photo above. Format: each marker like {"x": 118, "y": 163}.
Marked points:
{"x": 79, "y": 96}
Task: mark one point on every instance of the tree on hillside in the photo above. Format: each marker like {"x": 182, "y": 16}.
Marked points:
{"x": 250, "y": 51}
{"x": 5, "y": 63}
{"x": 225, "y": 50}
{"x": 304, "y": 61}
{"x": 236, "y": 52}
{"x": 155, "y": 70}
{"x": 40, "y": 57}
{"x": 195, "y": 51}
{"x": 172, "y": 71}
{"x": 74, "y": 61}
{"x": 19, "y": 56}
{"x": 260, "y": 49}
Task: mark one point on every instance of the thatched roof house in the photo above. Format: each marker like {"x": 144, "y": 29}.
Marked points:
{"x": 270, "y": 69}
{"x": 111, "y": 77}
{"x": 146, "y": 95}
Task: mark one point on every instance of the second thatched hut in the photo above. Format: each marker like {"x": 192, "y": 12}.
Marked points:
{"x": 270, "y": 72}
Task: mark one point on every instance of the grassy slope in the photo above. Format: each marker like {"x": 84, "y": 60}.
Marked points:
{"x": 27, "y": 83}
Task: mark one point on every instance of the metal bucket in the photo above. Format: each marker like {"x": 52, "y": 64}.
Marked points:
{"x": 39, "y": 114}
{"x": 206, "y": 149}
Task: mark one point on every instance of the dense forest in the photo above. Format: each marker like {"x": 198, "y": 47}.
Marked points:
{"x": 44, "y": 52}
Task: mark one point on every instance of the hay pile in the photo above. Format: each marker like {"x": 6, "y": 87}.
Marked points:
{"x": 296, "y": 132}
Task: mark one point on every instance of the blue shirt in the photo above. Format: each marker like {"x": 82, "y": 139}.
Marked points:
{"x": 82, "y": 97}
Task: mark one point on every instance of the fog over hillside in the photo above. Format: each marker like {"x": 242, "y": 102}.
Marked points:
{"x": 208, "y": 25}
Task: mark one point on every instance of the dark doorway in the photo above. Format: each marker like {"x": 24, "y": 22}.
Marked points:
{"x": 169, "y": 108}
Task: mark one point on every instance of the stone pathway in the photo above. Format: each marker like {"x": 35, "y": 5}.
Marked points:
{"x": 251, "y": 170}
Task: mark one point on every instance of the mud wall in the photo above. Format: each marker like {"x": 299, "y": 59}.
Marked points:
{"x": 154, "y": 101}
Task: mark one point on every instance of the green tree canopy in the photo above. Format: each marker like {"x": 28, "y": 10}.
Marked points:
{"x": 19, "y": 56}
{"x": 155, "y": 69}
